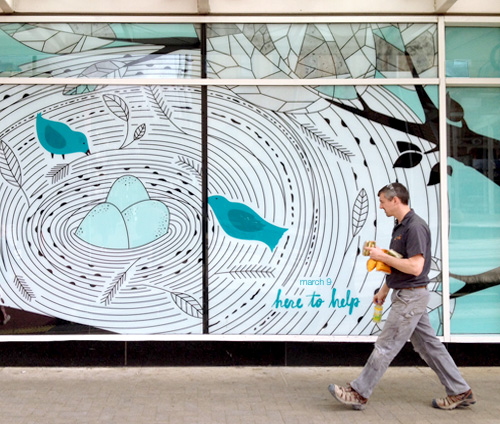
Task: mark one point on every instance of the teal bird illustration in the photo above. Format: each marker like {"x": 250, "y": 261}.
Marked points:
{"x": 59, "y": 139}
{"x": 240, "y": 221}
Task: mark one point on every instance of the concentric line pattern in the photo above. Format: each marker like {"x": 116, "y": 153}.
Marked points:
{"x": 266, "y": 160}
{"x": 152, "y": 289}
{"x": 304, "y": 171}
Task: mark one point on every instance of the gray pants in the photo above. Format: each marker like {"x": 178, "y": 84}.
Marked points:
{"x": 408, "y": 319}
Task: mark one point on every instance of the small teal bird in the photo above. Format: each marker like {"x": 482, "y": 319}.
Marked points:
{"x": 240, "y": 221}
{"x": 59, "y": 139}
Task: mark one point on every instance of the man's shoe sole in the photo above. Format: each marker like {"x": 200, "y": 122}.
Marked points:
{"x": 355, "y": 406}
{"x": 464, "y": 404}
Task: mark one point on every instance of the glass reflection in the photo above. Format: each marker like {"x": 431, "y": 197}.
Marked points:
{"x": 99, "y": 50}
{"x": 473, "y": 52}
{"x": 474, "y": 195}
{"x": 320, "y": 50}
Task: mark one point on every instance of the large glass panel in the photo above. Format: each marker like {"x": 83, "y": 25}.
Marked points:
{"x": 99, "y": 50}
{"x": 293, "y": 177}
{"x": 473, "y": 52}
{"x": 100, "y": 217}
{"x": 320, "y": 50}
{"x": 474, "y": 192}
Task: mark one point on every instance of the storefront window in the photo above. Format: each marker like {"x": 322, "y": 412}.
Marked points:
{"x": 98, "y": 50}
{"x": 304, "y": 51}
{"x": 106, "y": 190}
{"x": 293, "y": 182}
{"x": 101, "y": 210}
{"x": 473, "y": 52}
{"x": 474, "y": 196}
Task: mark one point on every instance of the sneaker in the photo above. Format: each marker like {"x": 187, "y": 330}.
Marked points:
{"x": 452, "y": 402}
{"x": 348, "y": 396}
{"x": 6, "y": 319}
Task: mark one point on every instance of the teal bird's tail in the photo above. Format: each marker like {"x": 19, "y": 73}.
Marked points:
{"x": 273, "y": 236}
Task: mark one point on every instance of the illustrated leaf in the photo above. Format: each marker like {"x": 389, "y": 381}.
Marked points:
{"x": 252, "y": 271}
{"x": 139, "y": 132}
{"x": 408, "y": 160}
{"x": 24, "y": 288}
{"x": 113, "y": 289}
{"x": 190, "y": 164}
{"x": 160, "y": 102}
{"x": 58, "y": 172}
{"x": 404, "y": 146}
{"x": 187, "y": 304}
{"x": 117, "y": 106}
{"x": 9, "y": 165}
{"x": 359, "y": 212}
{"x": 330, "y": 144}
{"x": 434, "y": 174}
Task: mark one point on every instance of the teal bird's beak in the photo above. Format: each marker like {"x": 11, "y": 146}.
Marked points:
{"x": 87, "y": 152}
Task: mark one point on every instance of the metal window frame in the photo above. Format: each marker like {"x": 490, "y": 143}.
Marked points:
{"x": 441, "y": 81}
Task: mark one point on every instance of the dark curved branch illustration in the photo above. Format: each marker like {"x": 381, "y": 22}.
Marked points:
{"x": 425, "y": 130}
{"x": 170, "y": 44}
{"x": 477, "y": 282}
{"x": 464, "y": 139}
{"x": 92, "y": 35}
{"x": 428, "y": 130}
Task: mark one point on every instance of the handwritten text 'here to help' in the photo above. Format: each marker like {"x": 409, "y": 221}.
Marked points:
{"x": 315, "y": 300}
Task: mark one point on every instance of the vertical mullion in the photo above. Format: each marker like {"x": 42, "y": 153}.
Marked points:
{"x": 204, "y": 179}
{"x": 443, "y": 172}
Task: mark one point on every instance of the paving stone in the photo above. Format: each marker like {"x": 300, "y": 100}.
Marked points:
{"x": 232, "y": 395}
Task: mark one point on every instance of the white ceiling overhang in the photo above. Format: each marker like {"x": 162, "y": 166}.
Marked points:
{"x": 6, "y": 6}
{"x": 442, "y": 6}
{"x": 254, "y": 7}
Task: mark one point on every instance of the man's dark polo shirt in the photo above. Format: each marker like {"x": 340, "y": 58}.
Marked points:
{"x": 411, "y": 237}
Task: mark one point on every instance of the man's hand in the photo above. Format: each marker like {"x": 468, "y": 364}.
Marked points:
{"x": 380, "y": 296}
{"x": 377, "y": 254}
{"x": 413, "y": 265}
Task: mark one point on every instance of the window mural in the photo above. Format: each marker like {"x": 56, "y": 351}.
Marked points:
{"x": 101, "y": 209}
{"x": 103, "y": 188}
{"x": 320, "y": 51}
{"x": 305, "y": 164}
{"x": 84, "y": 50}
{"x": 303, "y": 185}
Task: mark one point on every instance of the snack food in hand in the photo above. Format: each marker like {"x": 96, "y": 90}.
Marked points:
{"x": 379, "y": 265}
{"x": 369, "y": 243}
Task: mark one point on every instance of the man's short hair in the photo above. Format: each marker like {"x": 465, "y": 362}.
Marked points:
{"x": 393, "y": 190}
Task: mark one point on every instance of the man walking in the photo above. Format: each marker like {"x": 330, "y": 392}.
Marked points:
{"x": 408, "y": 317}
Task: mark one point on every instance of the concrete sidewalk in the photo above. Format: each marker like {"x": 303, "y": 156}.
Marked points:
{"x": 232, "y": 395}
